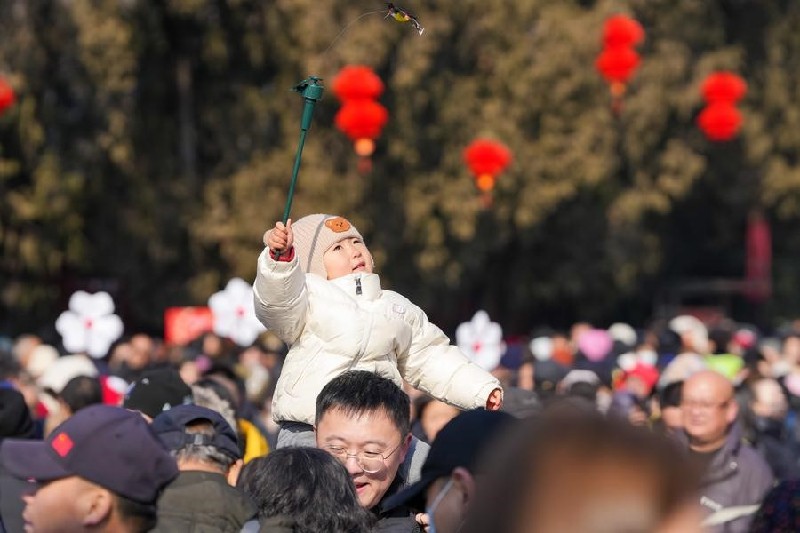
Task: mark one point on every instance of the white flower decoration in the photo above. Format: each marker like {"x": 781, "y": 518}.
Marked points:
{"x": 481, "y": 340}
{"x": 234, "y": 313}
{"x": 90, "y": 325}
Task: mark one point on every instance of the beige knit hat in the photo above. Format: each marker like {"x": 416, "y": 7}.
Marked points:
{"x": 314, "y": 234}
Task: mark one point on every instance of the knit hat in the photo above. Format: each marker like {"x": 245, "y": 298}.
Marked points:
{"x": 64, "y": 369}
{"x": 40, "y": 360}
{"x": 314, "y": 234}
{"x": 691, "y": 327}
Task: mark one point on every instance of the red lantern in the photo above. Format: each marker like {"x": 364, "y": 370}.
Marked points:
{"x": 617, "y": 64}
{"x": 720, "y": 121}
{"x": 6, "y": 96}
{"x": 486, "y": 159}
{"x": 362, "y": 121}
{"x": 723, "y": 87}
{"x": 357, "y": 82}
{"x": 619, "y": 60}
{"x": 360, "y": 118}
{"x": 622, "y": 31}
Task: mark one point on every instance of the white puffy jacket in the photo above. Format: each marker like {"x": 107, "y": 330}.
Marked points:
{"x": 349, "y": 323}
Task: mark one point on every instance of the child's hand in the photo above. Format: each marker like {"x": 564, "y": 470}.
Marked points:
{"x": 280, "y": 238}
{"x": 495, "y": 401}
{"x": 423, "y": 521}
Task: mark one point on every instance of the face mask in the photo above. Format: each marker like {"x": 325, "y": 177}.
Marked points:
{"x": 436, "y": 501}
{"x": 768, "y": 426}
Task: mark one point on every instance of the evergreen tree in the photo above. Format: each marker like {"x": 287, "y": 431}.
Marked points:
{"x": 152, "y": 145}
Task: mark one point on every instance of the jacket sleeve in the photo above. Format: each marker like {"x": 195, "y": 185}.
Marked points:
{"x": 281, "y": 296}
{"x": 434, "y": 366}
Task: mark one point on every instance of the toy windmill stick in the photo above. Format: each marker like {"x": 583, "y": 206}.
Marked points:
{"x": 311, "y": 89}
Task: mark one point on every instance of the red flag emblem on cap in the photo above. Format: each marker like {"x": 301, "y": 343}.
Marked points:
{"x": 62, "y": 444}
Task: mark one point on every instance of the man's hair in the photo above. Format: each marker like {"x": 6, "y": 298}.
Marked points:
{"x": 205, "y": 453}
{"x": 670, "y": 395}
{"x": 552, "y": 471}
{"x": 208, "y": 398}
{"x": 141, "y": 517}
{"x": 581, "y": 389}
{"x": 308, "y": 486}
{"x": 208, "y": 382}
{"x": 357, "y": 391}
{"x": 80, "y": 392}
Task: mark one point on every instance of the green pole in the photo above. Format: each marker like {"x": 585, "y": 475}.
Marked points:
{"x": 311, "y": 90}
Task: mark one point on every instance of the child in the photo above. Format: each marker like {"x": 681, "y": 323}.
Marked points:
{"x": 315, "y": 289}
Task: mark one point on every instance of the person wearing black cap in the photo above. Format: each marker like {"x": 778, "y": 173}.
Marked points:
{"x": 447, "y": 484}
{"x": 157, "y": 391}
{"x": 203, "y": 497}
{"x": 102, "y": 470}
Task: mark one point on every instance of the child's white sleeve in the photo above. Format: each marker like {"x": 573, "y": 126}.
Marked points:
{"x": 440, "y": 369}
{"x": 281, "y": 296}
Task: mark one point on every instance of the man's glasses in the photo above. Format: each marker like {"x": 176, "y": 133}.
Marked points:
{"x": 369, "y": 462}
{"x": 704, "y": 406}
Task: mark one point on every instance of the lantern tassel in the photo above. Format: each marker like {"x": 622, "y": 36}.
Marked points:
{"x": 364, "y": 165}
{"x": 486, "y": 199}
{"x": 617, "y": 94}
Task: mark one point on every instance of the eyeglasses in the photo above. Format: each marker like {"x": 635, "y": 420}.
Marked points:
{"x": 703, "y": 406}
{"x": 369, "y": 462}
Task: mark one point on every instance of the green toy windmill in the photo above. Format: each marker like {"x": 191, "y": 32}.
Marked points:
{"x": 311, "y": 90}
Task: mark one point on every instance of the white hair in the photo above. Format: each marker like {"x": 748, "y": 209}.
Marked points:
{"x": 209, "y": 399}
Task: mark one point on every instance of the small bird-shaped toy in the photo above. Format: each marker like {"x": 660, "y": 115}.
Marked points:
{"x": 401, "y": 15}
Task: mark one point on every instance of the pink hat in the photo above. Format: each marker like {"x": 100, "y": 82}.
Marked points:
{"x": 595, "y": 344}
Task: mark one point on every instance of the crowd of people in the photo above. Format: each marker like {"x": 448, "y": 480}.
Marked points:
{"x": 353, "y": 413}
{"x": 683, "y": 444}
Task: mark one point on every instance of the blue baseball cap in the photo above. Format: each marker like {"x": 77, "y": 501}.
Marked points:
{"x": 170, "y": 426}
{"x": 109, "y": 446}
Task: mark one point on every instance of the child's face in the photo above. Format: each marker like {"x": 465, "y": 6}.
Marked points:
{"x": 346, "y": 257}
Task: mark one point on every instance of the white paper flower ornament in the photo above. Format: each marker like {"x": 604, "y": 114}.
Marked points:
{"x": 481, "y": 340}
{"x": 90, "y": 324}
{"x": 234, "y": 313}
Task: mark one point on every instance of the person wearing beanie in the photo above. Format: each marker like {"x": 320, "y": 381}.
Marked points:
{"x": 316, "y": 290}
